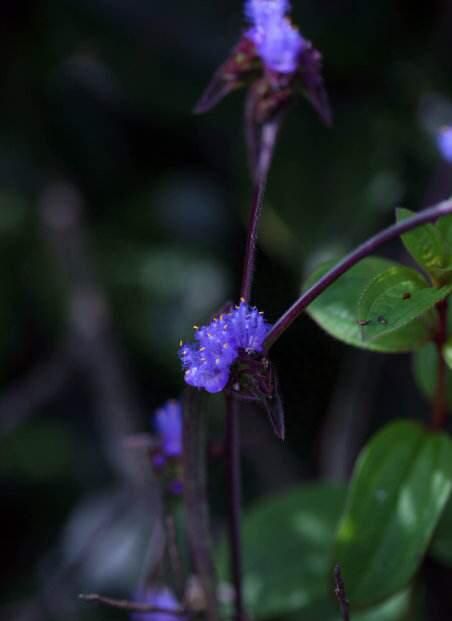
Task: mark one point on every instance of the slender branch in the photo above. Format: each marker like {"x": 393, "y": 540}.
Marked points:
{"x": 341, "y": 595}
{"x": 233, "y": 480}
{"x": 440, "y": 403}
{"x": 367, "y": 248}
{"x": 267, "y": 145}
{"x": 124, "y": 604}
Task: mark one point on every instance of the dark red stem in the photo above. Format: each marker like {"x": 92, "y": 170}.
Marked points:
{"x": 364, "y": 250}
{"x": 269, "y": 134}
{"x": 440, "y": 402}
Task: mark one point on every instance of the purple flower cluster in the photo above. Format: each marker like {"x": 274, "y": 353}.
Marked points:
{"x": 444, "y": 142}
{"x": 207, "y": 362}
{"x": 160, "y": 597}
{"x": 168, "y": 423}
{"x": 278, "y": 43}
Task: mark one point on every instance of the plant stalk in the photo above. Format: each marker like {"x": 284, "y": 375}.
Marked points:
{"x": 269, "y": 134}
{"x": 234, "y": 499}
{"x": 364, "y": 250}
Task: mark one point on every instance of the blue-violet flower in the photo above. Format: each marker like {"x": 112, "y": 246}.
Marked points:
{"x": 168, "y": 423}
{"x": 160, "y": 597}
{"x": 444, "y": 142}
{"x": 208, "y": 362}
{"x": 277, "y": 42}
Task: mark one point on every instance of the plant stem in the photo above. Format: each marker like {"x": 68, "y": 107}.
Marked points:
{"x": 367, "y": 248}
{"x": 234, "y": 498}
{"x": 269, "y": 134}
{"x": 440, "y": 404}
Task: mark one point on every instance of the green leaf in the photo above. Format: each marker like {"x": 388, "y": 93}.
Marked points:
{"x": 444, "y": 226}
{"x": 336, "y": 310}
{"x": 400, "y": 486}
{"x": 395, "y": 298}
{"x": 447, "y": 352}
{"x": 425, "y": 363}
{"x": 441, "y": 546}
{"x": 286, "y": 550}
{"x": 425, "y": 244}
{"x": 394, "y": 609}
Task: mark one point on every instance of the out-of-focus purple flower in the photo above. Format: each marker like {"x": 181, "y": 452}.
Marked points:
{"x": 444, "y": 142}
{"x": 275, "y": 61}
{"x": 168, "y": 423}
{"x": 208, "y": 362}
{"x": 277, "y": 42}
{"x": 160, "y": 597}
{"x": 259, "y": 11}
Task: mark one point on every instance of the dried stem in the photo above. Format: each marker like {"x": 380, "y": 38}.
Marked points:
{"x": 440, "y": 403}
{"x": 124, "y": 604}
{"x": 367, "y": 248}
{"x": 233, "y": 480}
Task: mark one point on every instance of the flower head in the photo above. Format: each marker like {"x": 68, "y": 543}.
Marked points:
{"x": 275, "y": 61}
{"x": 278, "y": 43}
{"x": 444, "y": 142}
{"x": 259, "y": 11}
{"x": 208, "y": 362}
{"x": 160, "y": 597}
{"x": 168, "y": 423}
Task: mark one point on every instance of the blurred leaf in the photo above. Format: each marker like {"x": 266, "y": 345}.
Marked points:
{"x": 400, "y": 486}
{"x": 39, "y": 450}
{"x": 441, "y": 546}
{"x": 398, "y": 297}
{"x": 336, "y": 310}
{"x": 394, "y": 609}
{"x": 425, "y": 362}
{"x": 447, "y": 353}
{"x": 426, "y": 246}
{"x": 286, "y": 550}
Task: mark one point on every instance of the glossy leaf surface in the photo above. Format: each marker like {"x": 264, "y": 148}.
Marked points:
{"x": 336, "y": 310}
{"x": 400, "y": 486}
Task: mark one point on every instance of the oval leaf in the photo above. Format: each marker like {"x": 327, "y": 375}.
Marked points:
{"x": 286, "y": 550}
{"x": 441, "y": 546}
{"x": 400, "y": 486}
{"x": 336, "y": 310}
{"x": 425, "y": 244}
{"x": 395, "y": 298}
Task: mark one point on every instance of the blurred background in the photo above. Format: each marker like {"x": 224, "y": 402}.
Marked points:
{"x": 122, "y": 220}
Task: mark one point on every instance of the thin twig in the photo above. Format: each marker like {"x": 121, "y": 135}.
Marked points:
{"x": 341, "y": 595}
{"x": 234, "y": 498}
{"x": 124, "y": 604}
{"x": 364, "y": 250}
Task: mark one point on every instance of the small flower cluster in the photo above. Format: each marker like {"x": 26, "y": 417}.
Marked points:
{"x": 167, "y": 456}
{"x": 277, "y": 42}
{"x": 208, "y": 362}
